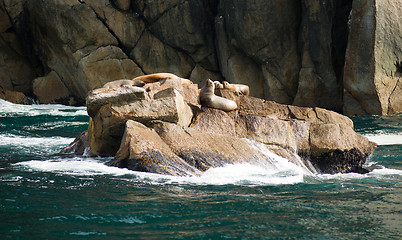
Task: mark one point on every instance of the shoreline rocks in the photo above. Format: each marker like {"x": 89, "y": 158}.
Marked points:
{"x": 162, "y": 130}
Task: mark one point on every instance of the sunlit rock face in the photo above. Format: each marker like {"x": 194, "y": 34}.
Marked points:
{"x": 159, "y": 128}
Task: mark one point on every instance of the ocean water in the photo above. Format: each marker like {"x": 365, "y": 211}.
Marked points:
{"x": 45, "y": 195}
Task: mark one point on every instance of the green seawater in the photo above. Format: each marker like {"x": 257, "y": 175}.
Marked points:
{"x": 45, "y": 195}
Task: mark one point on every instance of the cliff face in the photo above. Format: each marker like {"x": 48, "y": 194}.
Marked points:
{"x": 338, "y": 55}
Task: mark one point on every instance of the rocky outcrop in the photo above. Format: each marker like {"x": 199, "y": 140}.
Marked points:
{"x": 14, "y": 96}
{"x": 373, "y": 66}
{"x": 109, "y": 110}
{"x": 150, "y": 152}
{"x": 50, "y": 89}
{"x": 292, "y": 53}
{"x": 17, "y": 66}
{"x": 158, "y": 128}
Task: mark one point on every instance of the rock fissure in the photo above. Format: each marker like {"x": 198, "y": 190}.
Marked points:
{"x": 165, "y": 11}
{"x": 9, "y": 18}
{"x": 103, "y": 21}
{"x": 397, "y": 84}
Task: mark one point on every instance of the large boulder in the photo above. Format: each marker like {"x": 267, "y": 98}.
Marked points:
{"x": 80, "y": 146}
{"x": 76, "y": 44}
{"x": 154, "y": 129}
{"x": 50, "y": 89}
{"x": 110, "y": 109}
{"x": 13, "y": 96}
{"x": 337, "y": 148}
{"x": 103, "y": 96}
{"x": 142, "y": 149}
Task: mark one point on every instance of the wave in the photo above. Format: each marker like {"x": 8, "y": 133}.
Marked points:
{"x": 8, "y": 109}
{"x": 231, "y": 174}
{"x": 74, "y": 166}
{"x": 274, "y": 170}
{"x": 23, "y": 141}
{"x": 380, "y": 173}
{"x": 53, "y": 125}
{"x": 376, "y": 171}
{"x": 382, "y": 138}
{"x": 237, "y": 174}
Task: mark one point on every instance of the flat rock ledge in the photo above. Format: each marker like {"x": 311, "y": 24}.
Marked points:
{"x": 160, "y": 128}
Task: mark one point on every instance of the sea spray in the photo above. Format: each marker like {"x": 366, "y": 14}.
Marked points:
{"x": 384, "y": 138}
{"x": 280, "y": 163}
{"x": 8, "y": 109}
{"x": 273, "y": 170}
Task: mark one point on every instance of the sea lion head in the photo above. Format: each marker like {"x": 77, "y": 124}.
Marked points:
{"x": 225, "y": 84}
{"x": 209, "y": 83}
{"x": 218, "y": 84}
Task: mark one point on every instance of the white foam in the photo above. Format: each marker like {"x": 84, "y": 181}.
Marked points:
{"x": 238, "y": 174}
{"x": 281, "y": 171}
{"x": 341, "y": 176}
{"x": 243, "y": 174}
{"x": 75, "y": 166}
{"x": 16, "y": 140}
{"x": 273, "y": 170}
{"x": 8, "y": 108}
{"x": 376, "y": 173}
{"x": 279, "y": 163}
{"x": 386, "y": 171}
{"x": 52, "y": 125}
{"x": 385, "y": 138}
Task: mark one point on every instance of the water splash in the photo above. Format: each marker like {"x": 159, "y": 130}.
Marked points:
{"x": 273, "y": 170}
{"x": 8, "y": 109}
{"x": 26, "y": 141}
{"x": 383, "y": 138}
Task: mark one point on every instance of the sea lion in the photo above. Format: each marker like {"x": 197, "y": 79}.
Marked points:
{"x": 208, "y": 98}
{"x": 239, "y": 88}
{"x": 157, "y": 77}
{"x": 123, "y": 83}
{"x": 218, "y": 84}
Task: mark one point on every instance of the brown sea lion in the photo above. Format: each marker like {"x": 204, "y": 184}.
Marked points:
{"x": 218, "y": 84}
{"x": 157, "y": 77}
{"x": 122, "y": 83}
{"x": 239, "y": 88}
{"x": 208, "y": 98}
